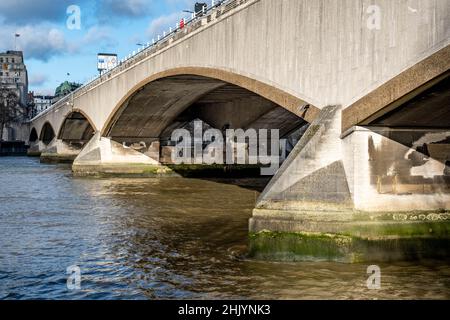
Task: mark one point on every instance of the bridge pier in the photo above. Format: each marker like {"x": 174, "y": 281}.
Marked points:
{"x": 370, "y": 194}
{"x": 35, "y": 149}
{"x": 59, "y": 151}
{"x": 104, "y": 156}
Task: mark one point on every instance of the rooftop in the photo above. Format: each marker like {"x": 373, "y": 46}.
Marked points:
{"x": 12, "y": 52}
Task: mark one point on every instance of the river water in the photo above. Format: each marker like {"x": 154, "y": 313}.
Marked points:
{"x": 168, "y": 238}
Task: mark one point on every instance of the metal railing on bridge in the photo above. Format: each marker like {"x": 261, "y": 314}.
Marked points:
{"x": 186, "y": 26}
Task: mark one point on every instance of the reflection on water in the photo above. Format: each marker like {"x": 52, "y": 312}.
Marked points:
{"x": 158, "y": 239}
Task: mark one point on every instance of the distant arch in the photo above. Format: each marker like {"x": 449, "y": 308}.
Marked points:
{"x": 33, "y": 135}
{"x": 47, "y": 133}
{"x": 76, "y": 127}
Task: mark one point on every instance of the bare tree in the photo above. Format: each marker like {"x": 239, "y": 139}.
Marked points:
{"x": 10, "y": 109}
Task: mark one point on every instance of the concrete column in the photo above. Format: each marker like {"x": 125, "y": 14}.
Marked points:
{"x": 58, "y": 151}
{"x": 371, "y": 194}
{"x": 103, "y": 156}
{"x": 35, "y": 149}
{"x": 398, "y": 170}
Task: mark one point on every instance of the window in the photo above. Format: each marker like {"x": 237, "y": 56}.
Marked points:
{"x": 13, "y": 60}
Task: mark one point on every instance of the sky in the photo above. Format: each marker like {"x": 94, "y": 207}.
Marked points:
{"x": 52, "y": 49}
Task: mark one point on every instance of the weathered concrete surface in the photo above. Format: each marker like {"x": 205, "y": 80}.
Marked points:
{"x": 58, "y": 151}
{"x": 104, "y": 156}
{"x": 359, "y": 241}
{"x": 315, "y": 164}
{"x": 36, "y": 148}
{"x": 398, "y": 169}
{"x": 372, "y": 191}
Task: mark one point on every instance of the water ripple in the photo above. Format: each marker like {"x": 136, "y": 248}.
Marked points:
{"x": 161, "y": 239}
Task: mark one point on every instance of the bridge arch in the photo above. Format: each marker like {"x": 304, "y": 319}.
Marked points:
{"x": 33, "y": 135}
{"x": 216, "y": 78}
{"x": 47, "y": 133}
{"x": 400, "y": 101}
{"x": 76, "y": 127}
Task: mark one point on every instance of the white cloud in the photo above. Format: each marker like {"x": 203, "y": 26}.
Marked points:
{"x": 99, "y": 35}
{"x": 38, "y": 79}
{"x": 42, "y": 42}
{"x": 162, "y": 23}
{"x": 38, "y": 42}
{"x": 126, "y": 8}
{"x": 26, "y": 11}
{"x": 44, "y": 92}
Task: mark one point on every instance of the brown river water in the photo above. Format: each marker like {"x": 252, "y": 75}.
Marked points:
{"x": 162, "y": 238}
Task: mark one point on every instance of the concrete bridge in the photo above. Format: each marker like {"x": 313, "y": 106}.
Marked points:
{"x": 363, "y": 84}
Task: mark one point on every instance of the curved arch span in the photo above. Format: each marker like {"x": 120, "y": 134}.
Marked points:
{"x": 76, "y": 126}
{"x": 289, "y": 102}
{"x": 47, "y": 133}
{"x": 33, "y": 135}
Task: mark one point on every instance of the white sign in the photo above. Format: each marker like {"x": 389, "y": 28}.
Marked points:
{"x": 106, "y": 61}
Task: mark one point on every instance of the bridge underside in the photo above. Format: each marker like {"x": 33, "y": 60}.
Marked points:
{"x": 76, "y": 128}
{"x": 165, "y": 105}
{"x": 430, "y": 109}
{"x": 138, "y": 137}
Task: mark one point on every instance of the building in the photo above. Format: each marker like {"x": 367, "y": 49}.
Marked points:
{"x": 14, "y": 79}
{"x": 65, "y": 88}
{"x": 14, "y": 75}
{"x": 40, "y": 103}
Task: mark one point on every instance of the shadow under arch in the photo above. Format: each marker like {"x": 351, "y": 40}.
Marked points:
{"x": 220, "y": 77}
{"x": 76, "y": 127}
{"x": 33, "y": 135}
{"x": 47, "y": 133}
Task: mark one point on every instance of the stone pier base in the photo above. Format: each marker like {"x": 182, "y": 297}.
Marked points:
{"x": 59, "y": 151}
{"x": 372, "y": 194}
{"x": 34, "y": 150}
{"x": 348, "y": 236}
{"x": 104, "y": 157}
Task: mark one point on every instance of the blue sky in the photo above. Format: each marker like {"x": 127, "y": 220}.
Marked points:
{"x": 52, "y": 50}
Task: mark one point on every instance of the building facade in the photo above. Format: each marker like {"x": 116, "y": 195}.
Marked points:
{"x": 41, "y": 103}
{"x": 14, "y": 75}
{"x": 14, "y": 79}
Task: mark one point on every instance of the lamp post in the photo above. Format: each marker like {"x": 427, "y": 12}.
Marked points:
{"x": 141, "y": 46}
{"x": 16, "y": 35}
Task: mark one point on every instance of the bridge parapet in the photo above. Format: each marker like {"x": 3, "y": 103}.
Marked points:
{"x": 219, "y": 8}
